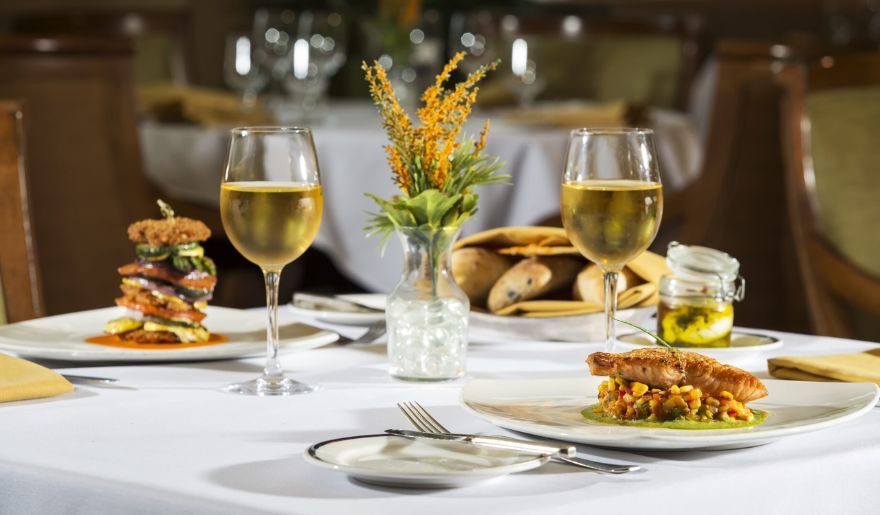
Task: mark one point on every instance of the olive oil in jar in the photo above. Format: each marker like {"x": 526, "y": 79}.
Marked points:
{"x": 696, "y": 300}
{"x": 707, "y": 325}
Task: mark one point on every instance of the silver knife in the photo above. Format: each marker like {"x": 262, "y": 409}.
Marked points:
{"x": 497, "y": 442}
{"x": 327, "y": 303}
{"x": 89, "y": 379}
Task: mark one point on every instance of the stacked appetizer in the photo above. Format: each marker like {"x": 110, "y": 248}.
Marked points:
{"x": 169, "y": 285}
{"x": 661, "y": 385}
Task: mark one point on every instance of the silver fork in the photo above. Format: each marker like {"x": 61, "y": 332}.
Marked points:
{"x": 424, "y": 421}
{"x": 372, "y": 334}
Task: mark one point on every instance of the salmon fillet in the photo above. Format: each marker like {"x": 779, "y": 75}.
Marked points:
{"x": 662, "y": 368}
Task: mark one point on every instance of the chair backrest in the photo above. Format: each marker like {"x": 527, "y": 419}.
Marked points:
{"x": 162, "y": 39}
{"x": 648, "y": 61}
{"x": 738, "y": 202}
{"x": 83, "y": 161}
{"x": 830, "y": 132}
{"x": 20, "y": 293}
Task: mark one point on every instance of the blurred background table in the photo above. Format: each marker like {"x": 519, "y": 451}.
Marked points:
{"x": 186, "y": 162}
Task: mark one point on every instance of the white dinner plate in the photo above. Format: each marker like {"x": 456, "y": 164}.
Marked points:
{"x": 395, "y": 461}
{"x": 63, "y": 337}
{"x": 551, "y": 408}
{"x": 486, "y": 327}
{"x": 740, "y": 343}
{"x": 373, "y": 300}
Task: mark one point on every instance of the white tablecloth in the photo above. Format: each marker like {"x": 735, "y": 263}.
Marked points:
{"x": 187, "y": 162}
{"x": 174, "y": 444}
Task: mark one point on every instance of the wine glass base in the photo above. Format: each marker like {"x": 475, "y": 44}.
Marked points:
{"x": 264, "y": 387}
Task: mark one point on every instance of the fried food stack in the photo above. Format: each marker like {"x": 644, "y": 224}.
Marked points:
{"x": 169, "y": 284}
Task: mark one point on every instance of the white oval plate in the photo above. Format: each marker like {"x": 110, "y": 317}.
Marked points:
{"x": 551, "y": 408}
{"x": 395, "y": 461}
{"x": 740, "y": 342}
{"x": 488, "y": 328}
{"x": 63, "y": 337}
{"x": 373, "y": 300}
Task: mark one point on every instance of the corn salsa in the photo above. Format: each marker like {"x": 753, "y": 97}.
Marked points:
{"x": 623, "y": 401}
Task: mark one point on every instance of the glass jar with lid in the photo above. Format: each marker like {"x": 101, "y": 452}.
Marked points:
{"x": 696, "y": 299}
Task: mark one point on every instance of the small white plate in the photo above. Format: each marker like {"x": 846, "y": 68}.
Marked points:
{"x": 551, "y": 408}
{"x": 489, "y": 328}
{"x": 373, "y": 300}
{"x": 403, "y": 462}
{"x": 63, "y": 337}
{"x": 740, "y": 342}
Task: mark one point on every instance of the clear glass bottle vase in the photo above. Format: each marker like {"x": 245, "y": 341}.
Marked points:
{"x": 427, "y": 313}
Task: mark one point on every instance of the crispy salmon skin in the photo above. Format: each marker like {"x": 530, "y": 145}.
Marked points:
{"x": 662, "y": 368}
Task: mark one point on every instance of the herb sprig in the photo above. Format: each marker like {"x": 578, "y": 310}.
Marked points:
{"x": 660, "y": 341}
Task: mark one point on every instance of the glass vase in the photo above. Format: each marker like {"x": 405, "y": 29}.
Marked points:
{"x": 427, "y": 313}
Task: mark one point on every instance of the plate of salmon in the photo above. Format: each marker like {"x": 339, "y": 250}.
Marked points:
{"x": 661, "y": 399}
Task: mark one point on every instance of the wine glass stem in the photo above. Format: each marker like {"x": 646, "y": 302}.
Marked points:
{"x": 273, "y": 371}
{"x": 610, "y": 308}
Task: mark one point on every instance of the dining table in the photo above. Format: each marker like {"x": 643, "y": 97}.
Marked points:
{"x": 186, "y": 162}
{"x": 166, "y": 439}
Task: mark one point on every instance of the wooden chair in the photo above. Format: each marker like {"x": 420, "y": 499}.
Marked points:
{"x": 83, "y": 162}
{"x": 599, "y": 60}
{"x": 20, "y": 292}
{"x": 834, "y": 283}
{"x": 738, "y": 202}
{"x": 162, "y": 39}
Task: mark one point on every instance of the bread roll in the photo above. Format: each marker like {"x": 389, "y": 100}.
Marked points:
{"x": 476, "y": 269}
{"x": 531, "y": 278}
{"x": 590, "y": 284}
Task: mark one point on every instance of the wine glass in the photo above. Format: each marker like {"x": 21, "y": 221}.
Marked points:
{"x": 274, "y": 33}
{"x": 522, "y": 76}
{"x": 475, "y": 35}
{"x": 271, "y": 203}
{"x": 612, "y": 202}
{"x": 318, "y": 52}
{"x": 239, "y": 69}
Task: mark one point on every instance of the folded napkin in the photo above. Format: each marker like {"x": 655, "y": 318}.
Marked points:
{"x": 567, "y": 114}
{"x": 202, "y": 106}
{"x": 854, "y": 368}
{"x": 21, "y": 380}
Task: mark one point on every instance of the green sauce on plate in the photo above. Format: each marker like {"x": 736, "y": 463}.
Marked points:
{"x": 760, "y": 417}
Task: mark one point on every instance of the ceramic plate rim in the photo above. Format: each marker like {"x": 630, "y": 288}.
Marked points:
{"x": 487, "y": 472}
{"x": 17, "y": 346}
{"x": 774, "y": 344}
{"x": 673, "y": 439}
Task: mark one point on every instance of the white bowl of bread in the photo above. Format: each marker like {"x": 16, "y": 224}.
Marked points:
{"x": 530, "y": 283}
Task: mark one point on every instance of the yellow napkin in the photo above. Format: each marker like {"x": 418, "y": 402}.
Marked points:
{"x": 20, "y": 380}
{"x": 609, "y": 114}
{"x": 854, "y": 368}
{"x": 202, "y": 106}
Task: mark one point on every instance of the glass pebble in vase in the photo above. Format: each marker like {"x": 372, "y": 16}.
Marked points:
{"x": 427, "y": 312}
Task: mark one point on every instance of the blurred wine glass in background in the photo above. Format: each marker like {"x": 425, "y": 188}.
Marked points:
{"x": 522, "y": 70}
{"x": 476, "y": 36}
{"x": 273, "y": 35}
{"x": 428, "y": 44}
{"x": 240, "y": 71}
{"x": 317, "y": 52}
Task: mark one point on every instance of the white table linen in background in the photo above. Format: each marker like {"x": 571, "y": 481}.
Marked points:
{"x": 187, "y": 162}
{"x": 174, "y": 444}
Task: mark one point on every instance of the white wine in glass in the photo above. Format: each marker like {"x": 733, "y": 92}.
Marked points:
{"x": 612, "y": 202}
{"x": 271, "y": 204}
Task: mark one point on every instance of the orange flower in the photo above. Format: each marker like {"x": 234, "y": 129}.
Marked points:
{"x": 420, "y": 157}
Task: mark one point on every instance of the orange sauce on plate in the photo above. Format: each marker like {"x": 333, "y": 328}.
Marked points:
{"x": 112, "y": 340}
